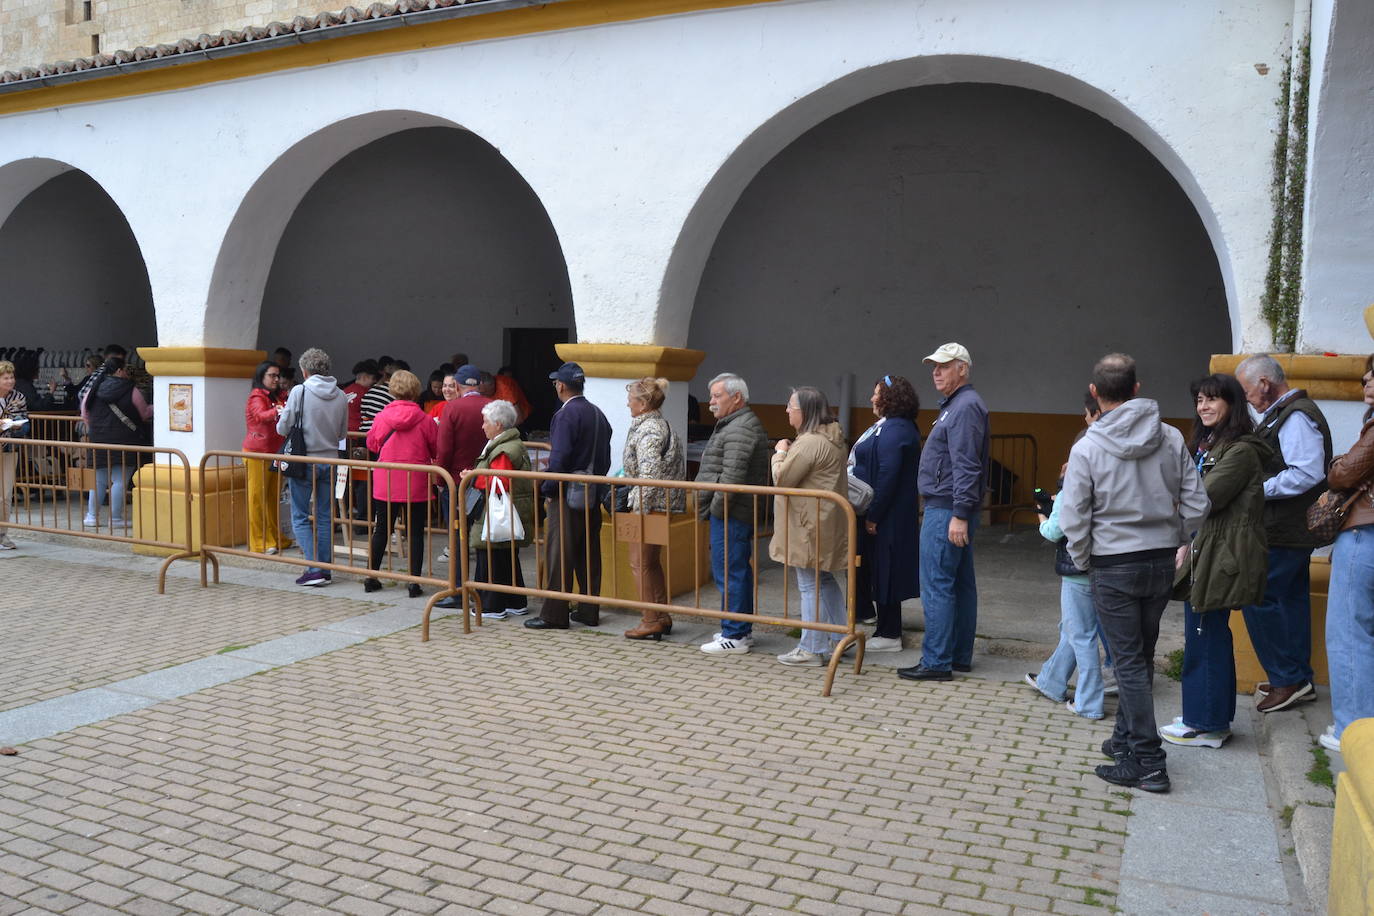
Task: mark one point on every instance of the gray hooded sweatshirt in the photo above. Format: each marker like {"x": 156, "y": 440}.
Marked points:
{"x": 326, "y": 415}
{"x": 1131, "y": 488}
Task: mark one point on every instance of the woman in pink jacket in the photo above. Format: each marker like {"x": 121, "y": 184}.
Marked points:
{"x": 405, "y": 434}
{"x": 264, "y": 481}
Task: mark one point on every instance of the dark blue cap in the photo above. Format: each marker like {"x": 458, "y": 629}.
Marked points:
{"x": 568, "y": 372}
{"x": 467, "y": 375}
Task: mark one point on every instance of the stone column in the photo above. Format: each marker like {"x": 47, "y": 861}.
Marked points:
{"x": 219, "y": 382}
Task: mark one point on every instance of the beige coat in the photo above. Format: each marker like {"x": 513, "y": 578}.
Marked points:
{"x": 816, "y": 461}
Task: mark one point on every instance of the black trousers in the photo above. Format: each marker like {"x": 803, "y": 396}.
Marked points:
{"x": 572, "y": 549}
{"x": 384, "y": 518}
{"x": 503, "y": 568}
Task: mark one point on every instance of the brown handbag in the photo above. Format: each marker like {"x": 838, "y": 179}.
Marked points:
{"x": 1326, "y": 516}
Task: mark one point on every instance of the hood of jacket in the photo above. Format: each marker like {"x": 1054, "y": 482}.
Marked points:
{"x": 404, "y": 414}
{"x": 832, "y": 433}
{"x": 112, "y": 388}
{"x": 323, "y": 387}
{"x": 1130, "y": 431}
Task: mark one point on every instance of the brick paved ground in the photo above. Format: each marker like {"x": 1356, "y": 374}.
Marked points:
{"x": 514, "y": 772}
{"x": 68, "y": 626}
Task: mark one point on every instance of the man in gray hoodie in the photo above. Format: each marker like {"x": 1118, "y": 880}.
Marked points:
{"x": 322, "y": 411}
{"x": 1131, "y": 497}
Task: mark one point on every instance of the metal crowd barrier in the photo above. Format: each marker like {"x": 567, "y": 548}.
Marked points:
{"x": 50, "y": 467}
{"x": 1012, "y": 473}
{"x": 159, "y": 517}
{"x": 350, "y": 536}
{"x": 470, "y": 587}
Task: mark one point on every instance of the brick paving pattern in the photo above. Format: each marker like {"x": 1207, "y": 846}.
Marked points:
{"x": 514, "y": 772}
{"x": 69, "y": 626}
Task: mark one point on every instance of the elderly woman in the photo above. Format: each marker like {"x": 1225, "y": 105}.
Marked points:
{"x": 887, "y": 458}
{"x": 810, "y": 534}
{"x": 401, "y": 433}
{"x": 115, "y": 412}
{"x": 654, "y": 452}
{"x": 260, "y": 415}
{"x": 14, "y": 416}
{"x": 1350, "y": 601}
{"x": 498, "y": 556}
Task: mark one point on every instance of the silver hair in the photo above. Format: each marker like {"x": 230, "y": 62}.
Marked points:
{"x": 502, "y": 413}
{"x": 315, "y": 362}
{"x": 1253, "y": 367}
{"x": 733, "y": 384}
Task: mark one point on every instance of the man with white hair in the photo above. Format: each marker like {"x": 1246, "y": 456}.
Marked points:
{"x": 1280, "y": 626}
{"x": 737, "y": 452}
{"x": 952, "y": 479}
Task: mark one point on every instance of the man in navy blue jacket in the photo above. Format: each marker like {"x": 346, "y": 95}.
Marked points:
{"x": 952, "y": 479}
{"x": 579, "y": 443}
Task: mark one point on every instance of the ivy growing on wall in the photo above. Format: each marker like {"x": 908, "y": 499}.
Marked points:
{"x": 1283, "y": 278}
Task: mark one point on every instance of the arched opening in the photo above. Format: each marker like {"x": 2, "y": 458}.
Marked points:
{"x": 1026, "y": 227}
{"x": 74, "y": 276}
{"x": 403, "y": 234}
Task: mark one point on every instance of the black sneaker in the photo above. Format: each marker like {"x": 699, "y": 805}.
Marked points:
{"x": 922, "y": 673}
{"x": 1130, "y": 773}
{"x": 1108, "y": 750}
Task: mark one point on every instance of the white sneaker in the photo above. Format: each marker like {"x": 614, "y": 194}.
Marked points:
{"x": 799, "y": 657}
{"x": 490, "y": 615}
{"x": 1108, "y": 682}
{"x": 443, "y": 557}
{"x": 90, "y": 522}
{"x": 883, "y": 644}
{"x": 517, "y": 611}
{"x": 6, "y": 543}
{"x": 1329, "y": 740}
{"x": 1186, "y": 736}
{"x": 271, "y": 551}
{"x": 722, "y": 646}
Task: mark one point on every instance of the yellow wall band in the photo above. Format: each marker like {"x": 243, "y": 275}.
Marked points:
{"x": 205, "y": 362}
{"x": 570, "y": 14}
{"x": 633, "y": 360}
{"x": 1329, "y": 378}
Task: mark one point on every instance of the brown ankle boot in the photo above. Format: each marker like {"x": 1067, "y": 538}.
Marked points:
{"x": 653, "y": 626}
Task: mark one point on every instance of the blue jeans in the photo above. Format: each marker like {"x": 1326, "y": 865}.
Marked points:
{"x": 831, "y": 608}
{"x": 734, "y": 572}
{"x": 1077, "y": 649}
{"x": 1209, "y": 670}
{"x": 1350, "y": 627}
{"x": 1280, "y": 626}
{"x": 949, "y": 593}
{"x": 116, "y": 479}
{"x": 1130, "y": 599}
{"x": 317, "y": 544}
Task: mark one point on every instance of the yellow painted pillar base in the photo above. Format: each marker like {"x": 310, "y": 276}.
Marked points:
{"x": 161, "y": 497}
{"x": 1351, "y": 889}
{"x": 685, "y": 564}
{"x": 1249, "y": 671}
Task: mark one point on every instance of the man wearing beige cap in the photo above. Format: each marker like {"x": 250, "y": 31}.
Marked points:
{"x": 952, "y": 479}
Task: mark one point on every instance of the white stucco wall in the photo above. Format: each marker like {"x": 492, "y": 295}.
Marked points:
{"x": 621, "y": 163}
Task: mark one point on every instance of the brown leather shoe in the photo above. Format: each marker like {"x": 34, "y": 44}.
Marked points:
{"x": 652, "y": 626}
{"x": 1283, "y": 697}
{"x": 1263, "y": 688}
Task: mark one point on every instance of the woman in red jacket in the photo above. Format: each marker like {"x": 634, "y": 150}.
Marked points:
{"x": 402, "y": 433}
{"x": 264, "y": 482}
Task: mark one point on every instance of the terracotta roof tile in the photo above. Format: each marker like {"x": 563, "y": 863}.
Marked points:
{"x": 252, "y": 33}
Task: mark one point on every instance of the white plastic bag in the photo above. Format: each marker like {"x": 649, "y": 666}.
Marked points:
{"x": 501, "y": 523}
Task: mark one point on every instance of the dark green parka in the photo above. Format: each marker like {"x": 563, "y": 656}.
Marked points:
{"x": 507, "y": 443}
{"x": 1230, "y": 555}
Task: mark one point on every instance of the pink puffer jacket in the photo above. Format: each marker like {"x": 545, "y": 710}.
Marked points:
{"x": 403, "y": 433}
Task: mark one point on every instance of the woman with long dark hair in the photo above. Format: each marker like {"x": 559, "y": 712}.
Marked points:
{"x": 887, "y": 458}
{"x": 260, "y": 414}
{"x": 1224, "y": 567}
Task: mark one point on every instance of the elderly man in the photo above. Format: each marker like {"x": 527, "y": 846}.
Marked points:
{"x": 1131, "y": 497}
{"x": 322, "y": 411}
{"x": 737, "y": 452}
{"x": 1280, "y": 626}
{"x": 952, "y": 479}
{"x": 579, "y": 443}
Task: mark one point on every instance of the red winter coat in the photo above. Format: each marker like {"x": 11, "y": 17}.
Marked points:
{"x": 260, "y": 417}
{"x": 402, "y": 433}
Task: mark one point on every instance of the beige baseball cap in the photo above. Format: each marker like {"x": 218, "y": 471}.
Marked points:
{"x": 948, "y": 352}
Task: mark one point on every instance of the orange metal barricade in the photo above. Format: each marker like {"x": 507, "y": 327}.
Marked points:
{"x": 233, "y": 519}
{"x": 1012, "y": 474}
{"x": 161, "y": 510}
{"x": 469, "y": 587}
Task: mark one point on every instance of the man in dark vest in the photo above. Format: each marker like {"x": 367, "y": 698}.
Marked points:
{"x": 1280, "y": 626}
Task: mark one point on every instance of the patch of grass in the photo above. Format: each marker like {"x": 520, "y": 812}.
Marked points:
{"x": 230, "y": 649}
{"x": 1174, "y": 669}
{"x": 1090, "y": 895}
{"x": 1320, "y": 774}
{"x": 795, "y": 632}
{"x": 1287, "y": 815}
{"x": 1124, "y": 794}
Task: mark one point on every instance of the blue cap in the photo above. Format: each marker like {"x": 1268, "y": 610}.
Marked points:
{"x": 568, "y": 372}
{"x": 467, "y": 375}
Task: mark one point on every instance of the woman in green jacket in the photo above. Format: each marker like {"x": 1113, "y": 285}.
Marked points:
{"x": 1224, "y": 567}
